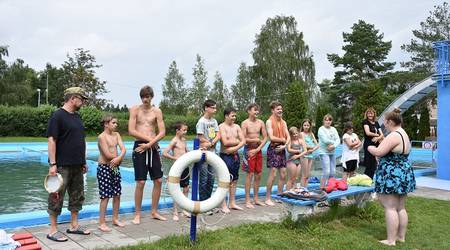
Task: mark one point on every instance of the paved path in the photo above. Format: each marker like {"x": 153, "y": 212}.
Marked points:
{"x": 151, "y": 230}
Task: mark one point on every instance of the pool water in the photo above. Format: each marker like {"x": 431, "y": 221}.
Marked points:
{"x": 22, "y": 175}
{"x": 22, "y": 185}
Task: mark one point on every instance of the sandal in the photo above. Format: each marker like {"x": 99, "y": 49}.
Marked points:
{"x": 57, "y": 236}
{"x": 80, "y": 230}
{"x": 323, "y": 204}
{"x": 305, "y": 193}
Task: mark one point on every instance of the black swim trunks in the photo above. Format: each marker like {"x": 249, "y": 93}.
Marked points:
{"x": 147, "y": 162}
{"x": 233, "y": 163}
{"x": 184, "y": 180}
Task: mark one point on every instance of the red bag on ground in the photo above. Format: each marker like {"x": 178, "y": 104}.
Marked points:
{"x": 331, "y": 185}
{"x": 342, "y": 185}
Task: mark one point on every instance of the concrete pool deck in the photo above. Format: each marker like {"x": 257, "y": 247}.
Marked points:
{"x": 152, "y": 230}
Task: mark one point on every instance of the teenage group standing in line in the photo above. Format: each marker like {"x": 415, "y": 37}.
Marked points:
{"x": 67, "y": 147}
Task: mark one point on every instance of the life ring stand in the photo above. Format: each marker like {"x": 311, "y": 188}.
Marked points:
{"x": 186, "y": 160}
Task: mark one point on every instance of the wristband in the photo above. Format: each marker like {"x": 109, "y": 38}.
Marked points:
{"x": 52, "y": 164}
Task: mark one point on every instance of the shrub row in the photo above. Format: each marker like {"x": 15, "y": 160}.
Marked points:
{"x": 32, "y": 121}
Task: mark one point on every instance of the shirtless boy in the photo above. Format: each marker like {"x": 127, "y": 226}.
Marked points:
{"x": 232, "y": 139}
{"x": 276, "y": 156}
{"x": 108, "y": 174}
{"x": 253, "y": 128}
{"x": 177, "y": 148}
{"x": 145, "y": 121}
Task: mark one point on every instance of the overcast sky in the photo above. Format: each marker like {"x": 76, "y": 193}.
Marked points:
{"x": 135, "y": 41}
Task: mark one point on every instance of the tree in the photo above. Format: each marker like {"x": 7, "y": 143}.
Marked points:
{"x": 199, "y": 90}
{"x": 435, "y": 28}
{"x": 322, "y": 109}
{"x": 364, "y": 58}
{"x": 3, "y": 51}
{"x": 368, "y": 95}
{"x": 79, "y": 71}
{"x": 295, "y": 106}
{"x": 220, "y": 92}
{"x": 3, "y": 67}
{"x": 424, "y": 122}
{"x": 16, "y": 85}
{"x": 281, "y": 57}
{"x": 243, "y": 91}
{"x": 365, "y": 54}
{"x": 174, "y": 91}
{"x": 56, "y": 84}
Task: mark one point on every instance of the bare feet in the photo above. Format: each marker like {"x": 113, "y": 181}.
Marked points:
{"x": 175, "y": 217}
{"x": 226, "y": 210}
{"x": 259, "y": 203}
{"x": 157, "y": 216}
{"x": 118, "y": 223}
{"x": 136, "y": 220}
{"x": 386, "y": 242}
{"x": 236, "y": 207}
{"x": 186, "y": 214}
{"x": 269, "y": 203}
{"x": 248, "y": 204}
{"x": 401, "y": 239}
{"x": 104, "y": 228}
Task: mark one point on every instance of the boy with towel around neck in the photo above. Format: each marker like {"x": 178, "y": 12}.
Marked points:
{"x": 276, "y": 152}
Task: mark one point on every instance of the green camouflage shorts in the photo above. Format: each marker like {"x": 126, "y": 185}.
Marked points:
{"x": 74, "y": 184}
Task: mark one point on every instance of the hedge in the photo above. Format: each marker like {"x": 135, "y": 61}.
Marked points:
{"x": 32, "y": 121}
{"x": 24, "y": 120}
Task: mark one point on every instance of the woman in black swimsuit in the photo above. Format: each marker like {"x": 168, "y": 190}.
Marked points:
{"x": 372, "y": 136}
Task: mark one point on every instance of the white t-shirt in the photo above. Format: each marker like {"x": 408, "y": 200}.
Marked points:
{"x": 347, "y": 153}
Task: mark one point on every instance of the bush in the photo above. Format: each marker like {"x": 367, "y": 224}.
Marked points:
{"x": 24, "y": 120}
{"x": 33, "y": 121}
{"x": 91, "y": 117}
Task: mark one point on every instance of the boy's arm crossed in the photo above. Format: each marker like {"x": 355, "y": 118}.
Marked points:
{"x": 103, "y": 147}
{"x": 116, "y": 161}
{"x": 168, "y": 149}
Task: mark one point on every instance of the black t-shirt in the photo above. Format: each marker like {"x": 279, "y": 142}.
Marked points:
{"x": 373, "y": 127}
{"x": 68, "y": 131}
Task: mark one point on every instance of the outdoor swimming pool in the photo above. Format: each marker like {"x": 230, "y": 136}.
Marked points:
{"x": 23, "y": 172}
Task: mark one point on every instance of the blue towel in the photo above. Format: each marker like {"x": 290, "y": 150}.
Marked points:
{"x": 314, "y": 179}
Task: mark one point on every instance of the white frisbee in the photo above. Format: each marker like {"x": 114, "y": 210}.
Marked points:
{"x": 53, "y": 183}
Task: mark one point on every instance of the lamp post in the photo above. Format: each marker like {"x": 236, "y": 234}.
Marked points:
{"x": 39, "y": 97}
{"x": 46, "y": 91}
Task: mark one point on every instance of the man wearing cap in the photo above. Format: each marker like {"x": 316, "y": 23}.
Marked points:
{"x": 67, "y": 156}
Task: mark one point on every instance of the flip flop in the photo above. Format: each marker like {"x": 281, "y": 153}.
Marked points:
{"x": 79, "y": 230}
{"x": 57, "y": 236}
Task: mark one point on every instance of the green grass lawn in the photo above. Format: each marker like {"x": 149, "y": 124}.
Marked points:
{"x": 339, "y": 228}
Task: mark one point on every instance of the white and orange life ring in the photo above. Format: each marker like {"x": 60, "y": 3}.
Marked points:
{"x": 186, "y": 160}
